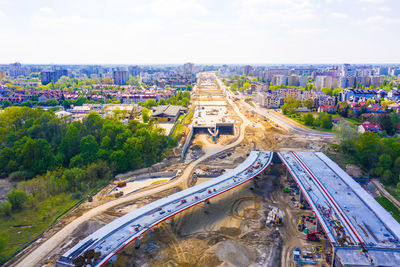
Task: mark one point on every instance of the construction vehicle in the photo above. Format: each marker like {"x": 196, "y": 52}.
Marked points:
{"x": 286, "y": 190}
{"x": 122, "y": 184}
{"x": 296, "y": 254}
{"x": 313, "y": 236}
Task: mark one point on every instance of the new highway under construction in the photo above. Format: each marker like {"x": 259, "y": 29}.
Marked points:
{"x": 248, "y": 214}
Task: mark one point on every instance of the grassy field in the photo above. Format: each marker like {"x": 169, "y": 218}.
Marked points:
{"x": 35, "y": 219}
{"x": 188, "y": 119}
{"x": 178, "y": 131}
{"x": 387, "y": 205}
{"x": 297, "y": 117}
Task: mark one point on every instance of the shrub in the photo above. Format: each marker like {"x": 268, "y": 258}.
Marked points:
{"x": 5, "y": 208}
{"x": 17, "y": 198}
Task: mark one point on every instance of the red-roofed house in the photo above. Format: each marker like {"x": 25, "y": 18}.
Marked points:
{"x": 327, "y": 108}
{"x": 367, "y": 126}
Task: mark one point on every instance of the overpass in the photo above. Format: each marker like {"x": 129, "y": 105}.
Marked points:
{"x": 351, "y": 219}
{"x": 102, "y": 245}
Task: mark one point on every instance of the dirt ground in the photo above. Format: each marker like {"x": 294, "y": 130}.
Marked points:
{"x": 233, "y": 232}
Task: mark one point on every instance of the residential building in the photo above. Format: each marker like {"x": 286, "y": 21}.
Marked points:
{"x": 52, "y": 75}
{"x": 15, "y": 70}
{"x": 367, "y": 126}
{"x": 120, "y": 77}
{"x": 2, "y": 75}
{"x": 394, "y": 95}
{"x": 293, "y": 80}
{"x": 324, "y": 100}
{"x": 269, "y": 100}
{"x": 355, "y": 95}
{"x": 327, "y": 108}
{"x": 247, "y": 70}
{"x": 188, "y": 68}
{"x": 303, "y": 81}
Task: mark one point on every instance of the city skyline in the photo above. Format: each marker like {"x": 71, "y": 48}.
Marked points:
{"x": 199, "y": 31}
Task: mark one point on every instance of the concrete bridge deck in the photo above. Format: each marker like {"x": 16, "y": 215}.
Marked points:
{"x": 350, "y": 217}
{"x": 113, "y": 237}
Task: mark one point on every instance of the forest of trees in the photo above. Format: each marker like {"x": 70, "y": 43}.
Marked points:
{"x": 40, "y": 151}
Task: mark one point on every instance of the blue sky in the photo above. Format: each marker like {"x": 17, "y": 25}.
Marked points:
{"x": 201, "y": 31}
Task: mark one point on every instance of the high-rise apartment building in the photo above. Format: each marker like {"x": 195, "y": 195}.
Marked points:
{"x": 2, "y": 74}
{"x": 188, "y": 68}
{"x": 293, "y": 80}
{"x": 52, "y": 75}
{"x": 247, "y": 70}
{"x": 15, "y": 69}
{"x": 120, "y": 77}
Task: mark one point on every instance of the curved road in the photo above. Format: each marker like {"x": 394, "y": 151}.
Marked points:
{"x": 34, "y": 257}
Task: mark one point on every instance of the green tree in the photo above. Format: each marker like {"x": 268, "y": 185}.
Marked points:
{"x": 290, "y": 106}
{"x": 120, "y": 160}
{"x": 149, "y": 103}
{"x": 146, "y": 115}
{"x": 386, "y": 124}
{"x": 162, "y": 102}
{"x": 37, "y": 156}
{"x": 336, "y": 91}
{"x": 327, "y": 91}
{"x": 326, "y": 121}
{"x": 308, "y": 119}
{"x": 367, "y": 149}
{"x": 387, "y": 177}
{"x": 385, "y": 162}
{"x": 89, "y": 148}
{"x": 17, "y": 199}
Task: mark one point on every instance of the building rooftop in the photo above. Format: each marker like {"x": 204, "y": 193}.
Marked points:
{"x": 167, "y": 110}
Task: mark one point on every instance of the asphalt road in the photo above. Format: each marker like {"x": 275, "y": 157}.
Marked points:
{"x": 284, "y": 123}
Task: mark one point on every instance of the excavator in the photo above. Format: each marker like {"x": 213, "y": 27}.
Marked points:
{"x": 313, "y": 236}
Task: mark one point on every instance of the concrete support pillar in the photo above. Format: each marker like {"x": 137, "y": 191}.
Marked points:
{"x": 301, "y": 197}
{"x": 319, "y": 227}
{"x": 254, "y": 185}
{"x": 206, "y": 204}
{"x": 287, "y": 175}
{"x": 137, "y": 243}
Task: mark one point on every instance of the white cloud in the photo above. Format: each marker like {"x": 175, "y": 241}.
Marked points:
{"x": 372, "y": 1}
{"x": 47, "y": 10}
{"x": 171, "y": 8}
{"x": 381, "y": 19}
{"x": 279, "y": 12}
{"x": 385, "y": 9}
{"x": 334, "y": 1}
{"x": 2, "y": 14}
{"x": 375, "y": 29}
{"x": 338, "y": 15}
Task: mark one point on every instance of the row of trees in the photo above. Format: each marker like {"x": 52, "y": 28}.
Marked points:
{"x": 323, "y": 120}
{"x": 181, "y": 98}
{"x": 241, "y": 83}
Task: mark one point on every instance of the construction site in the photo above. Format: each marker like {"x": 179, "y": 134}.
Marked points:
{"x": 268, "y": 221}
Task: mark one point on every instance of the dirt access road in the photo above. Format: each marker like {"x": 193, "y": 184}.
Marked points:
{"x": 34, "y": 257}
